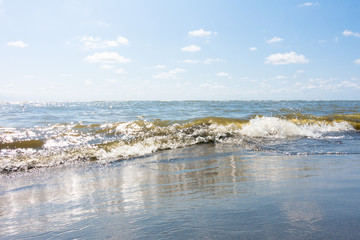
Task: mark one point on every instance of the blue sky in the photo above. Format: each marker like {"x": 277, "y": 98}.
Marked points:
{"x": 70, "y": 50}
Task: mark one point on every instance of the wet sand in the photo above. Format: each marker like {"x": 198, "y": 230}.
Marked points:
{"x": 201, "y": 192}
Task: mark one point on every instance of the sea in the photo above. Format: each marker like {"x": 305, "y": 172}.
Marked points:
{"x": 180, "y": 170}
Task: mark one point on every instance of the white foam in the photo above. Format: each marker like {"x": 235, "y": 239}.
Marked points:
{"x": 63, "y": 143}
{"x": 280, "y": 128}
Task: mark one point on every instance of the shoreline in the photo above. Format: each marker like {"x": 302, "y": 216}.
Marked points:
{"x": 282, "y": 195}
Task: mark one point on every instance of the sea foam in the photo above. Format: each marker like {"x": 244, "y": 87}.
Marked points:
{"x": 57, "y": 144}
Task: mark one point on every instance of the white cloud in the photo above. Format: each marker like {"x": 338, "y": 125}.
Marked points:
{"x": 286, "y": 58}
{"x": 307, "y": 4}
{"x": 318, "y": 80}
{"x": 122, "y": 40}
{"x": 280, "y": 77}
{"x": 97, "y": 43}
{"x": 120, "y": 71}
{"x": 357, "y": 61}
{"x": 106, "y": 67}
{"x": 301, "y": 85}
{"x": 222, "y": 74}
{"x": 253, "y": 49}
{"x": 298, "y": 72}
{"x": 206, "y": 61}
{"x": 19, "y": 44}
{"x": 275, "y": 40}
{"x": 107, "y": 57}
{"x": 264, "y": 84}
{"x": 172, "y": 74}
{"x": 200, "y": 33}
{"x": 329, "y": 84}
{"x": 191, "y": 48}
{"x": 350, "y": 33}
{"x": 212, "y": 60}
{"x": 191, "y": 61}
{"x": 309, "y": 86}
{"x": 349, "y": 84}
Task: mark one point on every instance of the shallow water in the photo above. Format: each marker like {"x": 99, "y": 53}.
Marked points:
{"x": 206, "y": 191}
{"x": 35, "y": 135}
{"x": 29, "y": 114}
{"x": 180, "y": 170}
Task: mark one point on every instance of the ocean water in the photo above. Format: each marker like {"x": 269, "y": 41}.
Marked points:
{"x": 182, "y": 170}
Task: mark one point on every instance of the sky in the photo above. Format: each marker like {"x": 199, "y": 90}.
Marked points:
{"x": 72, "y": 50}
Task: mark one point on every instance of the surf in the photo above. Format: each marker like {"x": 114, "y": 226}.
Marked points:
{"x": 56, "y": 144}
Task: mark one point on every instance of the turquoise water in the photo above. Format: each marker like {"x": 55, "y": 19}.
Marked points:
{"x": 182, "y": 170}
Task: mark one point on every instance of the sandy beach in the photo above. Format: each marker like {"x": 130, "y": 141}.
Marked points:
{"x": 200, "y": 192}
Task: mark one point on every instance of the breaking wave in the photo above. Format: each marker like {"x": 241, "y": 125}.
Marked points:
{"x": 26, "y": 148}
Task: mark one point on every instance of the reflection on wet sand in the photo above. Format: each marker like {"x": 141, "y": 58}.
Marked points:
{"x": 54, "y": 201}
{"x": 303, "y": 214}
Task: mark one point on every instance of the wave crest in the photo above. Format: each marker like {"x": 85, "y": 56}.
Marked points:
{"x": 21, "y": 149}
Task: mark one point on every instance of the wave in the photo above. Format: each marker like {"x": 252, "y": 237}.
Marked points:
{"x": 26, "y": 148}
